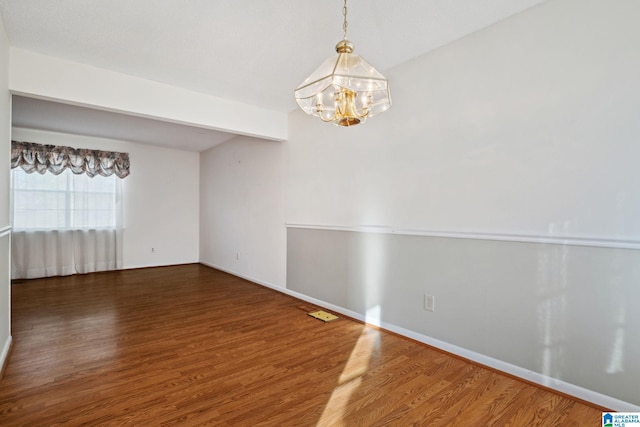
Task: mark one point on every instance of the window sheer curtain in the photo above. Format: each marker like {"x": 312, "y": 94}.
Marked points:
{"x": 67, "y": 217}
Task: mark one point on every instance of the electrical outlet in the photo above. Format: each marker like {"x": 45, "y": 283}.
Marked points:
{"x": 237, "y": 255}
{"x": 153, "y": 250}
{"x": 429, "y": 302}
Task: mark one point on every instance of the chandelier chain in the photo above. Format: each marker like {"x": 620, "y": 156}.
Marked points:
{"x": 345, "y": 24}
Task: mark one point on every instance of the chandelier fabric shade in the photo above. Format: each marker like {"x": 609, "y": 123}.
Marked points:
{"x": 345, "y": 89}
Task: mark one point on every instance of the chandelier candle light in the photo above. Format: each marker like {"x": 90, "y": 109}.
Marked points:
{"x": 345, "y": 89}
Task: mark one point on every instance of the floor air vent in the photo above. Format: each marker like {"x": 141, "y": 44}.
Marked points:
{"x": 323, "y": 315}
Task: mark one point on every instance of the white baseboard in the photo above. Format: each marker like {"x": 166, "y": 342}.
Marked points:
{"x": 133, "y": 267}
{"x": 5, "y": 352}
{"x": 242, "y": 276}
{"x": 517, "y": 371}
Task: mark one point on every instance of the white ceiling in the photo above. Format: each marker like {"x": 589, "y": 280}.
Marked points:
{"x": 251, "y": 51}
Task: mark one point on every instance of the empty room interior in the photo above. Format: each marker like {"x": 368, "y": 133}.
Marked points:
{"x": 183, "y": 183}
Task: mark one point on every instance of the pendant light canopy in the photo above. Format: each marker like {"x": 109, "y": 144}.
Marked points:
{"x": 345, "y": 89}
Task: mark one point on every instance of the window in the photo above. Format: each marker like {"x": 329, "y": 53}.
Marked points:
{"x": 67, "y": 210}
{"x": 62, "y": 202}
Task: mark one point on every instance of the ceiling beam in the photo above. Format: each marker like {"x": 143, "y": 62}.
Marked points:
{"x": 39, "y": 76}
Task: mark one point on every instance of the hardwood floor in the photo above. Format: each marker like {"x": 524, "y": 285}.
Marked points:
{"x": 194, "y": 346}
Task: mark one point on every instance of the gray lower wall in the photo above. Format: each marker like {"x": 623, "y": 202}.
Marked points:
{"x": 568, "y": 312}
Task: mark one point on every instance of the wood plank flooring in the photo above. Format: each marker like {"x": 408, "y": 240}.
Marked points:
{"x": 191, "y": 345}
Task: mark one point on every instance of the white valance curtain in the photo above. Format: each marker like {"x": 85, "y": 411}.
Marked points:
{"x": 69, "y": 220}
{"x": 33, "y": 157}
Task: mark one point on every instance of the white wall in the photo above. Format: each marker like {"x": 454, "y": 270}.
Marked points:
{"x": 242, "y": 223}
{"x": 5, "y": 237}
{"x": 527, "y": 128}
{"x": 161, "y": 198}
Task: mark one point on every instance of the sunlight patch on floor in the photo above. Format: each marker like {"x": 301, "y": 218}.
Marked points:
{"x": 350, "y": 379}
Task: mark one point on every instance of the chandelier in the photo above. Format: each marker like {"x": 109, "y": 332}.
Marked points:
{"x": 345, "y": 89}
